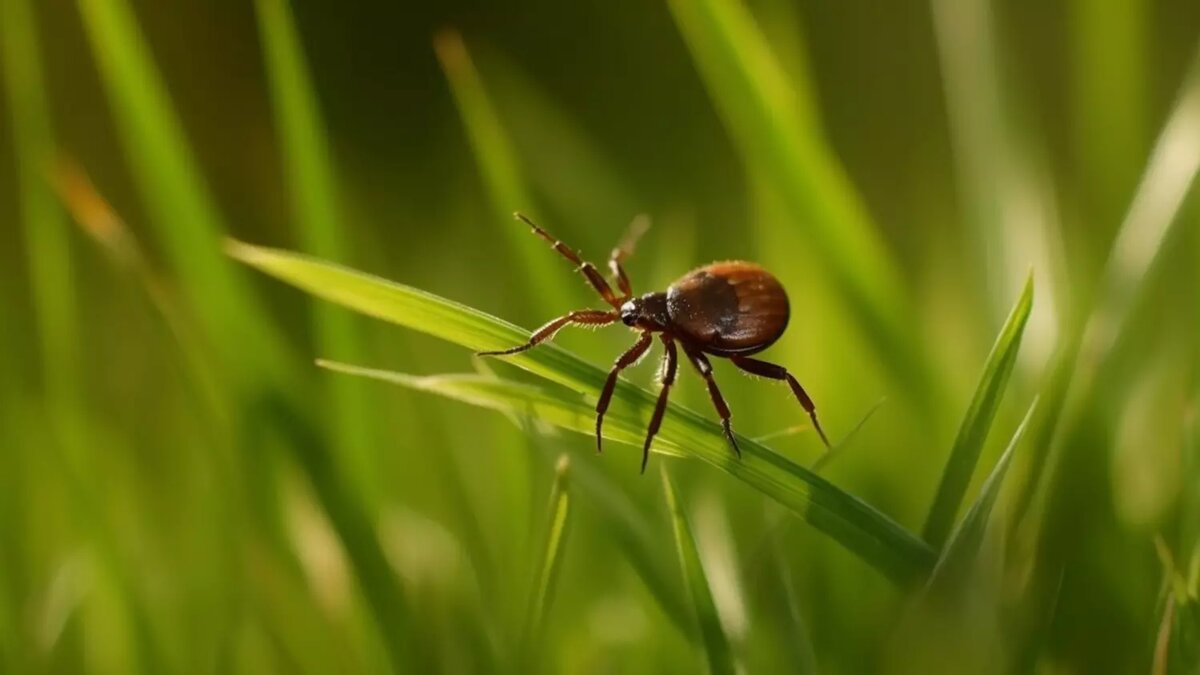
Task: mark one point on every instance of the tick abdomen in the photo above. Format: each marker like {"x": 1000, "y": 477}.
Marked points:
{"x": 729, "y": 308}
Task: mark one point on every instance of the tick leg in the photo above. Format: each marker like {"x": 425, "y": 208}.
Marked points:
{"x": 670, "y": 361}
{"x": 588, "y": 269}
{"x": 702, "y": 364}
{"x": 623, "y": 361}
{"x": 775, "y": 372}
{"x": 583, "y": 317}
{"x": 625, "y": 249}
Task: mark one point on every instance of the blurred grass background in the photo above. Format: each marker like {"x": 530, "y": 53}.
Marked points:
{"x": 181, "y": 490}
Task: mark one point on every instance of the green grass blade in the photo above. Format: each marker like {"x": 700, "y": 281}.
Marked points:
{"x": 859, "y": 527}
{"x": 962, "y": 548}
{"x": 776, "y": 127}
{"x": 309, "y": 168}
{"x": 46, "y": 233}
{"x": 1152, "y": 217}
{"x": 629, "y": 526}
{"x": 557, "y": 526}
{"x": 716, "y": 644}
{"x": 978, "y": 420}
{"x": 501, "y": 173}
{"x": 626, "y": 523}
{"x": 565, "y": 165}
{"x": 381, "y": 590}
{"x": 999, "y": 161}
{"x": 169, "y": 181}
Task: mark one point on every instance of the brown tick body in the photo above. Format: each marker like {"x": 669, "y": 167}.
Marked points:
{"x": 726, "y": 309}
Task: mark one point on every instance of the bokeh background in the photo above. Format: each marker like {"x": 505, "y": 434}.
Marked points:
{"x": 183, "y": 490}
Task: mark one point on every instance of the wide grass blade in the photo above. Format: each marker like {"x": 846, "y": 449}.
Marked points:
{"x": 716, "y": 643}
{"x": 312, "y": 188}
{"x": 557, "y": 526}
{"x": 178, "y": 201}
{"x": 962, "y": 548}
{"x": 978, "y": 420}
{"x": 859, "y": 527}
{"x": 775, "y": 125}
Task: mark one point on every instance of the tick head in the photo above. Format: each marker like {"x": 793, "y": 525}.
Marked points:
{"x": 630, "y": 311}
{"x": 648, "y": 312}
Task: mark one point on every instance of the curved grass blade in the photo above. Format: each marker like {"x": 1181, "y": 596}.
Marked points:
{"x": 308, "y": 164}
{"x": 557, "y": 527}
{"x": 978, "y": 420}
{"x": 775, "y": 124}
{"x": 961, "y": 549}
{"x": 856, "y": 525}
{"x": 716, "y": 644}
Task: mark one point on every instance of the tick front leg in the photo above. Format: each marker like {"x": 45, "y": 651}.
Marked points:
{"x": 588, "y": 270}
{"x": 702, "y": 364}
{"x": 776, "y": 372}
{"x": 583, "y": 317}
{"x": 623, "y": 361}
{"x": 670, "y": 362}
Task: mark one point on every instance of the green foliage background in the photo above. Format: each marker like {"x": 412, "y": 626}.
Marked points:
{"x": 984, "y": 212}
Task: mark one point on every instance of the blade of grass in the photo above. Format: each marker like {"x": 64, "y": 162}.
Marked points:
{"x": 96, "y": 217}
{"x": 557, "y": 527}
{"x": 859, "y": 527}
{"x": 800, "y": 644}
{"x": 631, "y": 528}
{"x": 566, "y": 167}
{"x": 177, "y": 200}
{"x": 1108, "y": 55}
{"x": 978, "y": 421}
{"x": 1007, "y": 193}
{"x": 67, "y": 431}
{"x": 380, "y": 589}
{"x": 501, "y": 173}
{"x": 716, "y": 644}
{"x": 962, "y": 548}
{"x": 626, "y": 523}
{"x": 47, "y": 251}
{"x": 775, "y": 125}
{"x": 1152, "y": 216}
{"x": 309, "y": 165}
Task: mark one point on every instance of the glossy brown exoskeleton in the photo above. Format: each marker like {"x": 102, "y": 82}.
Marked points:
{"x": 727, "y": 309}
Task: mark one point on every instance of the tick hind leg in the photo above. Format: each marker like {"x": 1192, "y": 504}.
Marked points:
{"x": 625, "y": 360}
{"x": 776, "y": 372}
{"x": 704, "y": 367}
{"x": 589, "y": 270}
{"x": 583, "y": 317}
{"x": 670, "y": 362}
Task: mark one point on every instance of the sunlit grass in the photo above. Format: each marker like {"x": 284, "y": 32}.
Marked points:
{"x": 183, "y": 490}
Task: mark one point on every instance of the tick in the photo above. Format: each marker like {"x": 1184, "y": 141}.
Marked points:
{"x": 728, "y": 310}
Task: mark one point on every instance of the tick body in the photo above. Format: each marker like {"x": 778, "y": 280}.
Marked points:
{"x": 726, "y": 309}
